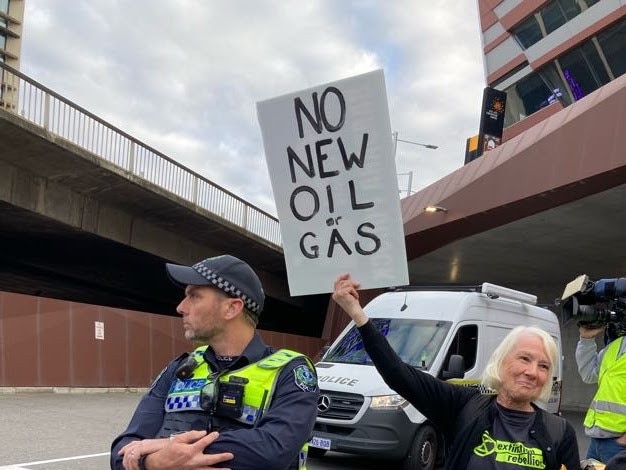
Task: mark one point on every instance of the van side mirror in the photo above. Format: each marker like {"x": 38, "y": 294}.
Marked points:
{"x": 456, "y": 368}
{"x": 323, "y": 352}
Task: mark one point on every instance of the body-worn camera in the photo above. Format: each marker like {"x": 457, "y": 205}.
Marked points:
{"x": 223, "y": 398}
{"x": 597, "y": 303}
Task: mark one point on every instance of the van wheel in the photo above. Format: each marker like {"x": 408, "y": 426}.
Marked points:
{"x": 316, "y": 453}
{"x": 423, "y": 451}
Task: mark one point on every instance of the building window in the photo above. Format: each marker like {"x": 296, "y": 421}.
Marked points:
{"x": 528, "y": 33}
{"x": 4, "y": 8}
{"x": 583, "y": 70}
{"x": 571, "y": 76}
{"x": 612, "y": 43}
{"x": 549, "y": 18}
{"x": 533, "y": 92}
{"x": 552, "y": 16}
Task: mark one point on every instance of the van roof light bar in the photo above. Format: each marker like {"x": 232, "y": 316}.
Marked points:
{"x": 435, "y": 287}
{"x": 495, "y": 291}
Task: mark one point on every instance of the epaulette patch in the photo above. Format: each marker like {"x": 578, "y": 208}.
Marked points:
{"x": 305, "y": 378}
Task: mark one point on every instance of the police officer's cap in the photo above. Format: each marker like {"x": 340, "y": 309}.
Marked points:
{"x": 229, "y": 274}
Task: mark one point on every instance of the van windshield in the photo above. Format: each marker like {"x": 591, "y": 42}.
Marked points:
{"x": 417, "y": 342}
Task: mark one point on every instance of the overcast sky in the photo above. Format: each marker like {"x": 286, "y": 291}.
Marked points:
{"x": 184, "y": 76}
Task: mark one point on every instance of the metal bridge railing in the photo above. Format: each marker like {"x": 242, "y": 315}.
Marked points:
{"x": 58, "y": 115}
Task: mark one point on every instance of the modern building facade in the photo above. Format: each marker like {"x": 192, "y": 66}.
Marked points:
{"x": 548, "y": 54}
{"x": 11, "y": 18}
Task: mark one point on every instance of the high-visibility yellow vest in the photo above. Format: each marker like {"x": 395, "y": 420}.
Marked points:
{"x": 608, "y": 408}
{"x": 258, "y": 380}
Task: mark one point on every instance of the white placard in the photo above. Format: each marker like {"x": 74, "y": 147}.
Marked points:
{"x": 330, "y": 158}
{"x": 99, "y": 329}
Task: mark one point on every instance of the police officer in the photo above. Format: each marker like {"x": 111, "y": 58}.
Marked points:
{"x": 605, "y": 421}
{"x": 261, "y": 402}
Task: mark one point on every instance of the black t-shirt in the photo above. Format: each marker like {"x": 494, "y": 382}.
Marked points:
{"x": 509, "y": 444}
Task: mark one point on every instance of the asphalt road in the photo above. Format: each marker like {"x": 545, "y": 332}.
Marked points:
{"x": 72, "y": 431}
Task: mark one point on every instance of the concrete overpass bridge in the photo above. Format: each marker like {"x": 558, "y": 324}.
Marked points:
{"x": 89, "y": 213}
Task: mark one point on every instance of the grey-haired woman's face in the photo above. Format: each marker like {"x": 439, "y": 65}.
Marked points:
{"x": 524, "y": 372}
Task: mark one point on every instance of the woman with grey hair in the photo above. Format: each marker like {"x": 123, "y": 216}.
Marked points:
{"x": 494, "y": 377}
{"x": 500, "y": 431}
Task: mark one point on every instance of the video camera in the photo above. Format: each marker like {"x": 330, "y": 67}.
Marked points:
{"x": 597, "y": 303}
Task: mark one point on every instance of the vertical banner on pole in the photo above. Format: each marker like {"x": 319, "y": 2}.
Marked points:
{"x": 491, "y": 120}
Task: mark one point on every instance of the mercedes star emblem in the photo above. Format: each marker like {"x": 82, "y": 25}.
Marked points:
{"x": 323, "y": 403}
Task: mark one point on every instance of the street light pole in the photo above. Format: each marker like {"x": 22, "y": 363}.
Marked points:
{"x": 395, "y": 148}
{"x": 396, "y": 140}
{"x": 395, "y": 143}
{"x": 428, "y": 146}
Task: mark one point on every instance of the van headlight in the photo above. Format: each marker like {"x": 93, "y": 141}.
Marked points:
{"x": 388, "y": 402}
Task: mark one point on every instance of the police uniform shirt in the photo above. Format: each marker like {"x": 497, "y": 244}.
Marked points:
{"x": 276, "y": 439}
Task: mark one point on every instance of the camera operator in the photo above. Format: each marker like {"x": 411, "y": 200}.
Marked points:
{"x": 605, "y": 421}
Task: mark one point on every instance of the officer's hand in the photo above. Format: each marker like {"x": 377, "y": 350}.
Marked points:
{"x": 347, "y": 296}
{"x": 133, "y": 451}
{"x": 588, "y": 333}
{"x": 186, "y": 452}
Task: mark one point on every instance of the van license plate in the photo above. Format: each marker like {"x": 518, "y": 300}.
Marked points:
{"x": 320, "y": 443}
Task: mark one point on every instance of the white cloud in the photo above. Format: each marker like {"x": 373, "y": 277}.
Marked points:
{"x": 184, "y": 77}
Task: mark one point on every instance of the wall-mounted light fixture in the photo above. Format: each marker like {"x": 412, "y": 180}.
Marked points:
{"x": 433, "y": 209}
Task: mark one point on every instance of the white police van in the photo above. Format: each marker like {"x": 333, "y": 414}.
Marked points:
{"x": 449, "y": 334}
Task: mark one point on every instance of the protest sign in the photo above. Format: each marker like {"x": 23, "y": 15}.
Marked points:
{"x": 330, "y": 158}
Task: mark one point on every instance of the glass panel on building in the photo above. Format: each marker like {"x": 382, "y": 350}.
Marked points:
{"x": 613, "y": 45}
{"x": 533, "y": 92}
{"x": 571, "y": 76}
{"x": 4, "y": 8}
{"x": 549, "y": 18}
{"x": 579, "y": 71}
{"x": 553, "y": 16}
{"x": 528, "y": 32}
{"x": 570, "y": 9}
{"x": 589, "y": 2}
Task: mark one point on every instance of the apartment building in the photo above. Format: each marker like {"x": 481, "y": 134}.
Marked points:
{"x": 11, "y": 19}
{"x": 548, "y": 54}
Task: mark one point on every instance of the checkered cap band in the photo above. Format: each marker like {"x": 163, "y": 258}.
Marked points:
{"x": 222, "y": 284}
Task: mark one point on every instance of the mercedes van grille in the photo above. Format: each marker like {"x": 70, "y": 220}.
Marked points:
{"x": 338, "y": 405}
